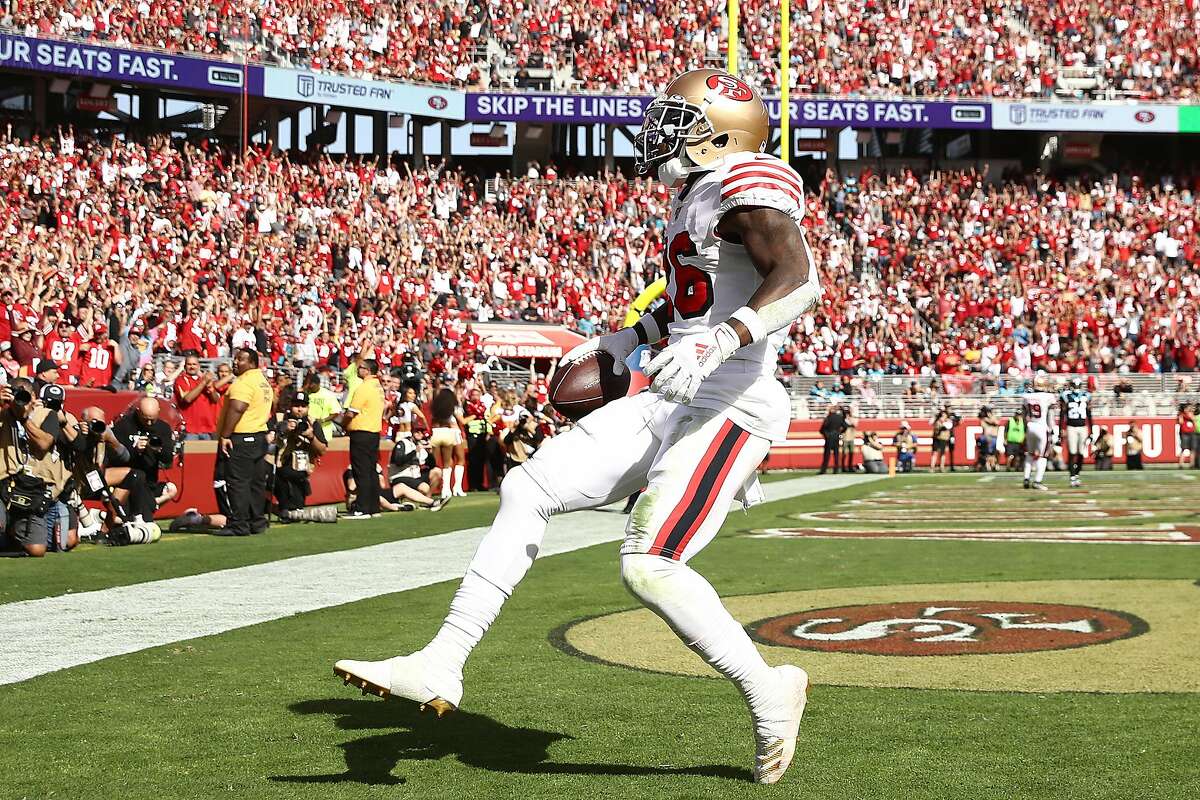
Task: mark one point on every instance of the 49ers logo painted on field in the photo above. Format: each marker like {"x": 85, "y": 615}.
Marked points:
{"x": 729, "y": 86}
{"x": 946, "y": 628}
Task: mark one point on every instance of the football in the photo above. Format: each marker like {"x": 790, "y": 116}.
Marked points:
{"x": 579, "y": 388}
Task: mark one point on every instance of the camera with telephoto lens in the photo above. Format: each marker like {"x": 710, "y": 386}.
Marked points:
{"x": 22, "y": 397}
{"x": 301, "y": 425}
{"x": 155, "y": 440}
{"x": 97, "y": 427}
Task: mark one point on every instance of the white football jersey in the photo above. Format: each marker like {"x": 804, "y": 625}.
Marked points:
{"x": 1039, "y": 407}
{"x": 708, "y": 279}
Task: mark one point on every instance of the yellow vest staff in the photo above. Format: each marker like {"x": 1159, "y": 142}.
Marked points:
{"x": 240, "y": 475}
{"x": 363, "y": 420}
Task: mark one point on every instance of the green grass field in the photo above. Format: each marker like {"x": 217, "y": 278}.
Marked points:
{"x": 256, "y": 712}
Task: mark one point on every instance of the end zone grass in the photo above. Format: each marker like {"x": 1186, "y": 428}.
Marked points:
{"x": 256, "y": 713}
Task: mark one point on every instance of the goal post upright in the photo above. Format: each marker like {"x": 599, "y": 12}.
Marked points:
{"x": 731, "y": 38}
{"x": 785, "y": 80}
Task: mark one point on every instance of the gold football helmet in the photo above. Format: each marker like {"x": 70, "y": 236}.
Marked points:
{"x": 701, "y": 117}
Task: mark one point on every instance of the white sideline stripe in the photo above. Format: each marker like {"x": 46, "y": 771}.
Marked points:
{"x": 56, "y": 633}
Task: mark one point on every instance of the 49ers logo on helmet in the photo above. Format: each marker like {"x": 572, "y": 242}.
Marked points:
{"x": 729, "y": 86}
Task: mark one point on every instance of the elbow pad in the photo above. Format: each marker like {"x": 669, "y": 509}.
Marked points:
{"x": 780, "y": 313}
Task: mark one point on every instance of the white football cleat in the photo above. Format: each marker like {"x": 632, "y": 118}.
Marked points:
{"x": 412, "y": 677}
{"x": 774, "y": 749}
{"x": 1041, "y": 487}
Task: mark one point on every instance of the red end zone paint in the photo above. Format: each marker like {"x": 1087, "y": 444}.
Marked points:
{"x": 945, "y": 628}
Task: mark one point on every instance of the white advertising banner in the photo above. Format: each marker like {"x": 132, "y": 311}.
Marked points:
{"x": 1095, "y": 116}
{"x": 337, "y": 90}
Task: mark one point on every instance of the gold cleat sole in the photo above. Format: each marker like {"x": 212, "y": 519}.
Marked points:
{"x": 437, "y": 705}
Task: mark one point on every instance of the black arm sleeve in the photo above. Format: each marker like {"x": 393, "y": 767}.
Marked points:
{"x": 166, "y": 455}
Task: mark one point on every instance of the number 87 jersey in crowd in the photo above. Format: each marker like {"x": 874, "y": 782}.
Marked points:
{"x": 709, "y": 278}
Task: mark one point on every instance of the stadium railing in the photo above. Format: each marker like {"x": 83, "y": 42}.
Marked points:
{"x": 1138, "y": 404}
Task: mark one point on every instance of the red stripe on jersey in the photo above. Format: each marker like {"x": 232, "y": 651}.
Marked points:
{"x": 777, "y": 187}
{"x": 783, "y": 172}
{"x": 763, "y": 173}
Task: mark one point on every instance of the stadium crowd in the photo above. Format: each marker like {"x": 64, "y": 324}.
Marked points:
{"x": 188, "y": 249}
{"x": 919, "y": 47}
{"x": 124, "y": 262}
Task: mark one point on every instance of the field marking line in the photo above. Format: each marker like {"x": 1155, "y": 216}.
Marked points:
{"x": 54, "y": 633}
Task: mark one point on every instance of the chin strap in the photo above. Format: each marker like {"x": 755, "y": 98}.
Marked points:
{"x": 675, "y": 171}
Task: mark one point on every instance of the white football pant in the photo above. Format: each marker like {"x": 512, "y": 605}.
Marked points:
{"x": 693, "y": 462}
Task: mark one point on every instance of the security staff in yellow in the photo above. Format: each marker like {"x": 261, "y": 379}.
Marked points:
{"x": 240, "y": 477}
{"x": 363, "y": 420}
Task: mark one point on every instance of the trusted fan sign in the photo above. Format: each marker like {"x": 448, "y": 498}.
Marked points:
{"x": 368, "y": 95}
{"x": 118, "y": 65}
{"x": 1098, "y": 117}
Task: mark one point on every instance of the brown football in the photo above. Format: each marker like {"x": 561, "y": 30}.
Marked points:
{"x": 579, "y": 388}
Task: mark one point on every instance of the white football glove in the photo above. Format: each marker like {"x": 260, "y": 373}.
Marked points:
{"x": 618, "y": 345}
{"x": 680, "y": 369}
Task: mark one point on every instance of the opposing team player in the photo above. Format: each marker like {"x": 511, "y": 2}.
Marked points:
{"x": 740, "y": 273}
{"x": 1077, "y": 419}
{"x": 1039, "y": 409}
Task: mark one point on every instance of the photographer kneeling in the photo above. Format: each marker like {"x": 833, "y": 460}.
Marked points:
{"x": 30, "y": 473}
{"x": 151, "y": 445}
{"x": 298, "y": 446}
{"x": 872, "y": 454}
{"x": 103, "y": 473}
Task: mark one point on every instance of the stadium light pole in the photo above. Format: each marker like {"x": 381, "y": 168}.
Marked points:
{"x": 785, "y": 79}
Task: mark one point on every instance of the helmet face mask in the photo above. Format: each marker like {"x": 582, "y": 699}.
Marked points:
{"x": 671, "y": 125}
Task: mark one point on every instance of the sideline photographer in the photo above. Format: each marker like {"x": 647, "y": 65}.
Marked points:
{"x": 62, "y": 520}
{"x": 103, "y": 474}
{"x": 151, "y": 445}
{"x": 298, "y": 445}
{"x": 28, "y": 469}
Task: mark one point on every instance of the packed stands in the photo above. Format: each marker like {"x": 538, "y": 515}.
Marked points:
{"x": 1146, "y": 50}
{"x": 1000, "y": 48}
{"x": 955, "y": 273}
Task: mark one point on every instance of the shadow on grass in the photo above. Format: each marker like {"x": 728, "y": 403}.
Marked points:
{"x": 473, "y": 739}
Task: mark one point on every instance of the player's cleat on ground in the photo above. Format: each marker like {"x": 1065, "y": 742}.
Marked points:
{"x": 412, "y": 677}
{"x": 1027, "y": 484}
{"x": 1074, "y": 482}
{"x": 1041, "y": 487}
{"x": 774, "y": 749}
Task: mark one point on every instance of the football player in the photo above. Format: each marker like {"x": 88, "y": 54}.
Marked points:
{"x": 740, "y": 273}
{"x": 1077, "y": 419}
{"x": 1039, "y": 408}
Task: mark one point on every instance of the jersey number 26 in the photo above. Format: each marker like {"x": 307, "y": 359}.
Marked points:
{"x": 693, "y": 287}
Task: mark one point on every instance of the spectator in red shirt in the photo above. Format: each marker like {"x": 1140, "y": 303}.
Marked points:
{"x": 100, "y": 357}
{"x": 197, "y": 399}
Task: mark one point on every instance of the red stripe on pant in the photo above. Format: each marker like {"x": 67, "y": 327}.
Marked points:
{"x": 690, "y": 505}
{"x": 690, "y": 492}
{"x": 742, "y": 438}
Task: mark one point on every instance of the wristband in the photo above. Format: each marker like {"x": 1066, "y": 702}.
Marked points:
{"x": 753, "y": 322}
{"x": 647, "y": 329}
